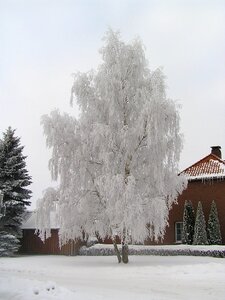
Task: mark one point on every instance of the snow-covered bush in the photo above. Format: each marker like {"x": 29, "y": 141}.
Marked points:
{"x": 9, "y": 244}
{"x": 107, "y": 250}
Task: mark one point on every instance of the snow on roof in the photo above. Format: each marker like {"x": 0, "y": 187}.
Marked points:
{"x": 210, "y": 167}
{"x": 29, "y": 220}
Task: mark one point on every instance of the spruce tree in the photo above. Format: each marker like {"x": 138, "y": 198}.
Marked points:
{"x": 188, "y": 223}
{"x": 14, "y": 179}
{"x": 9, "y": 244}
{"x": 200, "y": 235}
{"x": 214, "y": 234}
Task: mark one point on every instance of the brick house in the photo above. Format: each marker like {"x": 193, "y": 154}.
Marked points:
{"x": 32, "y": 244}
{"x": 206, "y": 182}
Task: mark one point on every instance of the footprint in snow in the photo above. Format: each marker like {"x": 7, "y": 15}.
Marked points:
{"x": 36, "y": 291}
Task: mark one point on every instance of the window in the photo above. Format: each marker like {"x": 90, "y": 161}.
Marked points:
{"x": 178, "y": 232}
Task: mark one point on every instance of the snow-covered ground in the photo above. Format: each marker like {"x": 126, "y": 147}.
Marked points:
{"x": 98, "y": 278}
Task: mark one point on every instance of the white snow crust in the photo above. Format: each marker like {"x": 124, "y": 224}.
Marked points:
{"x": 101, "y": 278}
{"x": 30, "y": 221}
{"x": 166, "y": 247}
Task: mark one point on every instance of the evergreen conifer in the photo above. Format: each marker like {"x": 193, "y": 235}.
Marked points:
{"x": 9, "y": 244}
{"x": 214, "y": 234}
{"x": 200, "y": 235}
{"x": 188, "y": 223}
{"x": 14, "y": 179}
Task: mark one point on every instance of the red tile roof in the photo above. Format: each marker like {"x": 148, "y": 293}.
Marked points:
{"x": 209, "y": 167}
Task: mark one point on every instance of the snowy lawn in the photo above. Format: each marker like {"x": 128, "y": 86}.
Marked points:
{"x": 95, "y": 278}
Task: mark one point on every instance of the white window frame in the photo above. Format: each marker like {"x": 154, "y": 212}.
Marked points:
{"x": 178, "y": 241}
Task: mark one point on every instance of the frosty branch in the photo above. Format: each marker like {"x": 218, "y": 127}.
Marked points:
{"x": 118, "y": 163}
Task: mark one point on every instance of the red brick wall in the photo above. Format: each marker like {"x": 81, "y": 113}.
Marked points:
{"x": 32, "y": 244}
{"x": 205, "y": 192}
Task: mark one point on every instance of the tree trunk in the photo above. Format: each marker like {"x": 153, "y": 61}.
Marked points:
{"x": 125, "y": 253}
{"x": 117, "y": 251}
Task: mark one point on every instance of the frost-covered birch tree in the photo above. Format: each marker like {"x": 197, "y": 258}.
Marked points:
{"x": 117, "y": 164}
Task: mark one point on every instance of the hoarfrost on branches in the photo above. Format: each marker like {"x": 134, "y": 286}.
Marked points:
{"x": 118, "y": 163}
{"x": 45, "y": 208}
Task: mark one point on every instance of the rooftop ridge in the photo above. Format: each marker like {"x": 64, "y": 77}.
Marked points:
{"x": 210, "y": 166}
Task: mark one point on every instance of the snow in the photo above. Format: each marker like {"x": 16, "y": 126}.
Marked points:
{"x": 165, "y": 247}
{"x": 98, "y": 278}
{"x": 212, "y": 169}
{"x": 206, "y": 176}
{"x": 30, "y": 221}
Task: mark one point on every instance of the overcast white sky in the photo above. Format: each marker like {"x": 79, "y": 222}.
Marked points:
{"x": 43, "y": 42}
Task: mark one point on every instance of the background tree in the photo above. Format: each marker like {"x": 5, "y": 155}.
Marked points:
{"x": 14, "y": 179}
{"x": 118, "y": 163}
{"x": 188, "y": 223}
{"x": 9, "y": 244}
{"x": 214, "y": 234}
{"x": 200, "y": 234}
